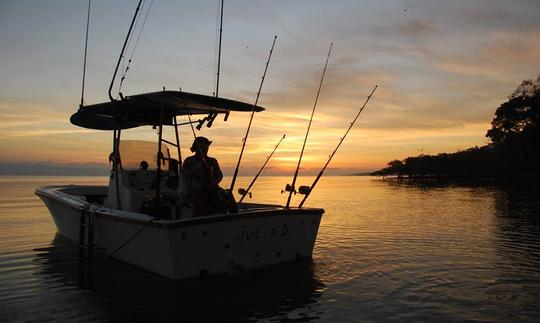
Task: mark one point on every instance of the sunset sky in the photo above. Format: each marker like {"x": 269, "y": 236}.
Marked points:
{"x": 442, "y": 67}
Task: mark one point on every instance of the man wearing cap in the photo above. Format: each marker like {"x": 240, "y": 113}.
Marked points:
{"x": 202, "y": 176}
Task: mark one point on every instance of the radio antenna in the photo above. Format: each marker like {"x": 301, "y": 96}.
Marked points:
{"x": 307, "y": 189}
{"x": 291, "y": 188}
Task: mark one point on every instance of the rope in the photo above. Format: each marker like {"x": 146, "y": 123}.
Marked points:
{"x": 91, "y": 209}
{"x": 109, "y": 256}
{"x": 125, "y": 243}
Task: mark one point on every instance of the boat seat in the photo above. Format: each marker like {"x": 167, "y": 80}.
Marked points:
{"x": 142, "y": 180}
{"x": 138, "y": 186}
{"x": 133, "y": 187}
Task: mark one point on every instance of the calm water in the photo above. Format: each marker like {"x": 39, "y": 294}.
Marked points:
{"x": 385, "y": 252}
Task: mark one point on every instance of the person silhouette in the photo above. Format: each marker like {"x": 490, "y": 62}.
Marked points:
{"x": 202, "y": 176}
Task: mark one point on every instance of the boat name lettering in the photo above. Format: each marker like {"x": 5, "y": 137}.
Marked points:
{"x": 261, "y": 233}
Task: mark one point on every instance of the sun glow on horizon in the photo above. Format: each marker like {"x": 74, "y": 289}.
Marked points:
{"x": 441, "y": 70}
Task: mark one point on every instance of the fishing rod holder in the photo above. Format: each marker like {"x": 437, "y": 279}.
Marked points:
{"x": 201, "y": 122}
{"x": 209, "y": 119}
{"x": 244, "y": 192}
{"x": 304, "y": 190}
{"x": 289, "y": 188}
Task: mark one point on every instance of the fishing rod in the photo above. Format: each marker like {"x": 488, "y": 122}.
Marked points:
{"x": 306, "y": 190}
{"x": 291, "y": 188}
{"x": 246, "y": 191}
{"x": 123, "y": 49}
{"x": 244, "y": 140}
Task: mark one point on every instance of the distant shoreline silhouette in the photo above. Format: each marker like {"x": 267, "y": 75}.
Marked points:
{"x": 514, "y": 151}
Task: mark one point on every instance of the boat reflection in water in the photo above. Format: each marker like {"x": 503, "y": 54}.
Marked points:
{"x": 125, "y": 293}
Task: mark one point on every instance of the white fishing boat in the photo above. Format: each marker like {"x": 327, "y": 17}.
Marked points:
{"x": 152, "y": 226}
{"x": 146, "y": 215}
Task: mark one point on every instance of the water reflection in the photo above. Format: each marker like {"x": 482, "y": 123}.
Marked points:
{"x": 487, "y": 268}
{"x": 121, "y": 292}
{"x": 517, "y": 223}
{"x": 386, "y": 251}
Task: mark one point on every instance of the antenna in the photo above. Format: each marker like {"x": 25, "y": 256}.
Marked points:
{"x": 290, "y": 188}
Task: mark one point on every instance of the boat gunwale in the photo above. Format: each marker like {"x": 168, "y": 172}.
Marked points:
{"x": 54, "y": 192}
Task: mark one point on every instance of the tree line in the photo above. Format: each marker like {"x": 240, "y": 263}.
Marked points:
{"x": 514, "y": 150}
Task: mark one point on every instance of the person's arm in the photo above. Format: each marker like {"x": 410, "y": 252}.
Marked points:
{"x": 188, "y": 168}
{"x": 218, "y": 175}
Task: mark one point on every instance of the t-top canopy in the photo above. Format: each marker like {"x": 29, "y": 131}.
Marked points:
{"x": 144, "y": 109}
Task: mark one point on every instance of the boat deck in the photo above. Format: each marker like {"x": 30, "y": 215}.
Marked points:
{"x": 93, "y": 198}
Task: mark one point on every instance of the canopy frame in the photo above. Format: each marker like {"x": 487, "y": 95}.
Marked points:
{"x": 145, "y": 110}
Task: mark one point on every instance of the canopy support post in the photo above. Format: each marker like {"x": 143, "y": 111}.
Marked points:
{"x": 159, "y": 154}
{"x": 115, "y": 158}
{"x": 178, "y": 145}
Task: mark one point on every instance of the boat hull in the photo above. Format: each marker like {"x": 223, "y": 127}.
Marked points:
{"x": 187, "y": 248}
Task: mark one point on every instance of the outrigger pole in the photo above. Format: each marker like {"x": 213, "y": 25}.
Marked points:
{"x": 291, "y": 188}
{"x": 115, "y": 156}
{"x": 244, "y": 140}
{"x": 123, "y": 49}
{"x": 246, "y": 191}
{"x": 219, "y": 50}
{"x": 210, "y": 118}
{"x": 85, "y": 51}
{"x": 306, "y": 190}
